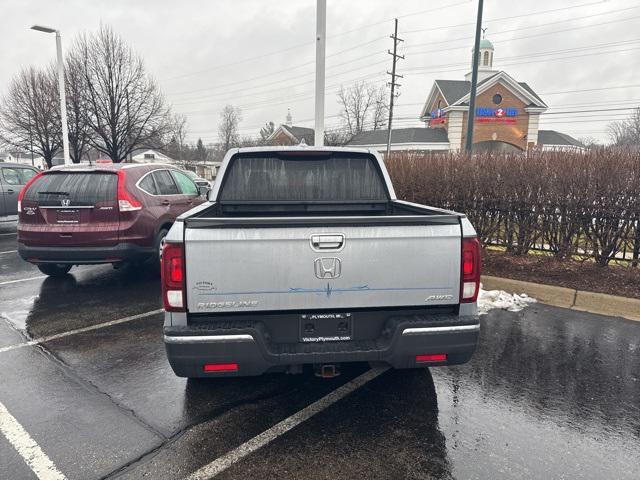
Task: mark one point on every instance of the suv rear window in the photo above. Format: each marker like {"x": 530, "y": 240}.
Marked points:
{"x": 271, "y": 177}
{"x": 80, "y": 188}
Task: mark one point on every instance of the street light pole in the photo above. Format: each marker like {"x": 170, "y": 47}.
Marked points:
{"x": 321, "y": 29}
{"x": 474, "y": 81}
{"x": 61, "y": 90}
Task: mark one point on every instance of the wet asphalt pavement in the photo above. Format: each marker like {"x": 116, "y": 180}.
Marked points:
{"x": 550, "y": 393}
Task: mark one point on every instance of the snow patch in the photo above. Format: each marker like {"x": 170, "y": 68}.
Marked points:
{"x": 512, "y": 302}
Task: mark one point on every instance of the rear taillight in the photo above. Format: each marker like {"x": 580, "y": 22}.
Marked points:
{"x": 470, "y": 278}
{"x": 173, "y": 277}
{"x": 24, "y": 189}
{"x": 126, "y": 202}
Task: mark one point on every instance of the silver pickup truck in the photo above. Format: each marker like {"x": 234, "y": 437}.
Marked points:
{"x": 304, "y": 256}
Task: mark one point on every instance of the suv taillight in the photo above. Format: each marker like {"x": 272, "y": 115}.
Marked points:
{"x": 24, "y": 189}
{"x": 126, "y": 203}
{"x": 470, "y": 275}
{"x": 173, "y": 277}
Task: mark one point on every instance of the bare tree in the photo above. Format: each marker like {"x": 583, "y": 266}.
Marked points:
{"x": 363, "y": 106}
{"x": 79, "y": 130}
{"x": 30, "y": 114}
{"x": 177, "y": 136}
{"x": 230, "y": 118}
{"x": 589, "y": 141}
{"x": 626, "y": 132}
{"x": 267, "y": 131}
{"x": 380, "y": 108}
{"x": 126, "y": 109}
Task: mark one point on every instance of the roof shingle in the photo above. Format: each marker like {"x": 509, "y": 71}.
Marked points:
{"x": 401, "y": 135}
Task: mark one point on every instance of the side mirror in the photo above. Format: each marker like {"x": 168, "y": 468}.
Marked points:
{"x": 203, "y": 191}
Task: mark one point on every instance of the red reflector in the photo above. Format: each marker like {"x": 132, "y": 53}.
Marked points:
{"x": 467, "y": 262}
{"x": 175, "y": 269}
{"x": 221, "y": 367}
{"x": 432, "y": 357}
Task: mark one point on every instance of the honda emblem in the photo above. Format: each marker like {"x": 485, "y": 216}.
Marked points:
{"x": 328, "y": 267}
{"x": 65, "y": 202}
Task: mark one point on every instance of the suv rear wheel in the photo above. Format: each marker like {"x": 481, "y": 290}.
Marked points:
{"x": 157, "y": 257}
{"x": 55, "y": 269}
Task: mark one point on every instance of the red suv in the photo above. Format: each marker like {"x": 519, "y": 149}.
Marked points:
{"x": 107, "y": 213}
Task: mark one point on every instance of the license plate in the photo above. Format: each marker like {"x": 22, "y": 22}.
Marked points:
{"x": 68, "y": 216}
{"x": 326, "y": 327}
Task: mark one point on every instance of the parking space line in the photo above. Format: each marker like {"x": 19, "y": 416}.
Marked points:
{"x": 27, "y": 447}
{"x": 49, "y": 338}
{"x": 9, "y": 251}
{"x": 23, "y": 280}
{"x": 222, "y": 463}
{"x": 10, "y": 233}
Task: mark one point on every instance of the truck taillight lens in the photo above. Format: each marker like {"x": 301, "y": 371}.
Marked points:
{"x": 173, "y": 277}
{"x": 470, "y": 278}
{"x": 126, "y": 202}
{"x": 25, "y": 188}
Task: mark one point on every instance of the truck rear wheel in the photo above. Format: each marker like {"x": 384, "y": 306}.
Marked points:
{"x": 55, "y": 269}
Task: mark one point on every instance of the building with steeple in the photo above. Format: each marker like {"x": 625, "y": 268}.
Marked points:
{"x": 507, "y": 116}
{"x": 507, "y": 111}
{"x": 288, "y": 134}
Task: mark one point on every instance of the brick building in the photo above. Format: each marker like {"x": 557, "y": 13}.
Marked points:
{"x": 507, "y": 111}
{"x": 288, "y": 134}
{"x": 507, "y": 116}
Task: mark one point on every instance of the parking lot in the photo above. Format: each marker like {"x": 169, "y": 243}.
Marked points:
{"x": 86, "y": 392}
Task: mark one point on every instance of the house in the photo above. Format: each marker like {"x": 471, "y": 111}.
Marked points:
{"x": 7, "y": 157}
{"x": 24, "y": 158}
{"x": 207, "y": 170}
{"x": 287, "y": 134}
{"x": 552, "y": 140}
{"x": 419, "y": 138}
{"x": 148, "y": 155}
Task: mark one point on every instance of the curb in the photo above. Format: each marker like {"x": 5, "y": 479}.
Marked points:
{"x": 599, "y": 303}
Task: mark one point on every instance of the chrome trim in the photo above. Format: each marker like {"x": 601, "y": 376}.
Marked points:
{"x": 186, "y": 339}
{"x": 68, "y": 207}
{"x": 450, "y": 329}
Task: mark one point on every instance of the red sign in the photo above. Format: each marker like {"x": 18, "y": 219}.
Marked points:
{"x": 495, "y": 120}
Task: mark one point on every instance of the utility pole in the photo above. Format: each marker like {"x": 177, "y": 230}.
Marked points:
{"x": 474, "y": 81}
{"x": 321, "y": 30}
{"x": 393, "y": 83}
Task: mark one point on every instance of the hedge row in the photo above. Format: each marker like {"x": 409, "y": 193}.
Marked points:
{"x": 585, "y": 204}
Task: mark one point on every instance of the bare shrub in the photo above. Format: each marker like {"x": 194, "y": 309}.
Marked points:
{"x": 567, "y": 203}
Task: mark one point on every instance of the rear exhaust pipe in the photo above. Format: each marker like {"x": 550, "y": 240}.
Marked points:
{"x": 326, "y": 370}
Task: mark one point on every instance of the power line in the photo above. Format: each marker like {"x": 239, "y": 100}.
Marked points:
{"x": 300, "y": 45}
{"x": 283, "y": 87}
{"x": 568, "y": 57}
{"x": 546, "y": 53}
{"x": 418, "y": 53}
{"x": 288, "y": 69}
{"x": 519, "y": 29}
{"x": 422, "y": 12}
{"x": 539, "y": 12}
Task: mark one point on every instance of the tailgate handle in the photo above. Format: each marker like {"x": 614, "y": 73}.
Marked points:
{"x": 333, "y": 241}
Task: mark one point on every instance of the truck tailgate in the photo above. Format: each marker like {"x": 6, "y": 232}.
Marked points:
{"x": 327, "y": 268}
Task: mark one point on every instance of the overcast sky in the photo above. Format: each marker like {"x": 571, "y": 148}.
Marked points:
{"x": 208, "y": 53}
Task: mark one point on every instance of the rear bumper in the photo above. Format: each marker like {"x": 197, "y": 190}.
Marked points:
{"x": 189, "y": 348}
{"x": 120, "y": 252}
